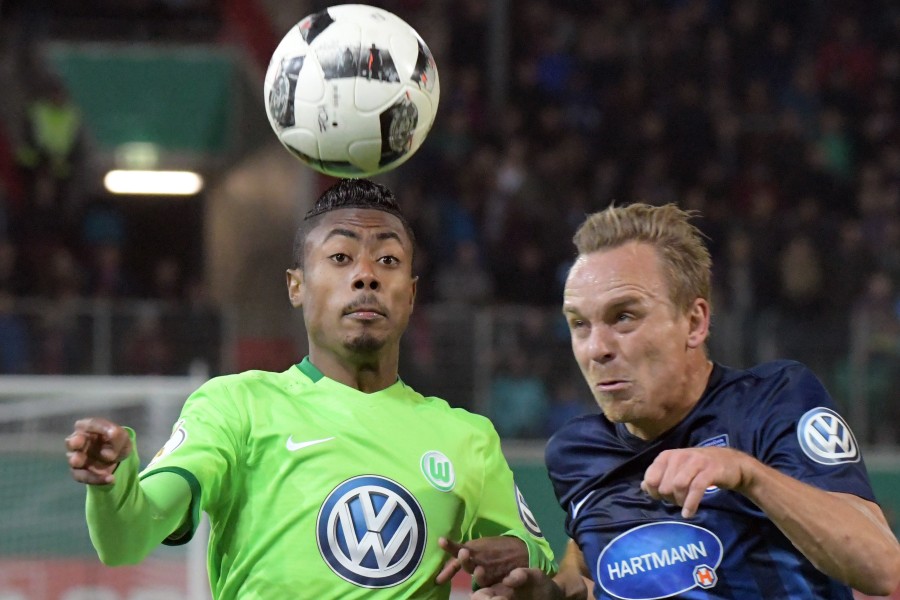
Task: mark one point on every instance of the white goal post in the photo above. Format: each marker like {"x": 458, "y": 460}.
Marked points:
{"x": 45, "y": 552}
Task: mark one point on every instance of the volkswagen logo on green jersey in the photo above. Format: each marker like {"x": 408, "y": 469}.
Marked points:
{"x": 438, "y": 470}
{"x": 371, "y": 532}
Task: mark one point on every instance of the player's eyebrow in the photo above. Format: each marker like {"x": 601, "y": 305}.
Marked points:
{"x": 344, "y": 232}
{"x": 568, "y": 309}
{"x": 380, "y": 236}
{"x": 624, "y": 303}
{"x": 388, "y": 235}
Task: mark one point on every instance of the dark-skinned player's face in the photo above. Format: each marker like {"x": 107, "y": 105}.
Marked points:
{"x": 356, "y": 286}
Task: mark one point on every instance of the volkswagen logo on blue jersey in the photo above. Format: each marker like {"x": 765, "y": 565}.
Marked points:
{"x": 826, "y": 438}
{"x": 659, "y": 560}
{"x": 371, "y": 531}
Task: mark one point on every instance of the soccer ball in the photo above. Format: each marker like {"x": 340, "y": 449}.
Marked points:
{"x": 352, "y": 91}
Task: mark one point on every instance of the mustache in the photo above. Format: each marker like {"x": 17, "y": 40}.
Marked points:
{"x": 369, "y": 301}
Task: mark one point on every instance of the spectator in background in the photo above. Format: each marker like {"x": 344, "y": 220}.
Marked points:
{"x": 465, "y": 281}
{"x": 14, "y": 338}
{"x": 52, "y": 151}
{"x": 167, "y": 283}
{"x": 855, "y": 263}
{"x": 801, "y": 325}
{"x": 870, "y": 376}
{"x": 202, "y": 334}
{"x": 528, "y": 278}
{"x": 61, "y": 343}
{"x": 12, "y": 277}
{"x": 733, "y": 335}
{"x": 889, "y": 250}
{"x": 5, "y": 210}
{"x": 519, "y": 399}
{"x": 103, "y": 222}
{"x": 568, "y": 399}
{"x": 147, "y": 349}
{"x": 108, "y": 277}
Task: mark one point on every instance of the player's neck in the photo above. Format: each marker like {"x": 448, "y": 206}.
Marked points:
{"x": 369, "y": 374}
{"x": 692, "y": 389}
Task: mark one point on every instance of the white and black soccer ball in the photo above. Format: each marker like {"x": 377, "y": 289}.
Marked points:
{"x": 352, "y": 91}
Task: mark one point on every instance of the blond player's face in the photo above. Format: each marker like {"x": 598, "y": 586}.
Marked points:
{"x": 629, "y": 340}
{"x": 356, "y": 287}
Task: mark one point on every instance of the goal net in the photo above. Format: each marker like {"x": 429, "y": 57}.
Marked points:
{"x": 45, "y": 552}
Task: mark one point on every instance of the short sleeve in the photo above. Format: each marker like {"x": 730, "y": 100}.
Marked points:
{"x": 802, "y": 434}
{"x": 205, "y": 445}
{"x": 502, "y": 509}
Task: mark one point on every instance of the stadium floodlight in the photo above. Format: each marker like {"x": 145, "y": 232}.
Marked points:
{"x": 157, "y": 183}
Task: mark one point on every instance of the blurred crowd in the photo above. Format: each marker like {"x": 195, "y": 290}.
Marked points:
{"x": 777, "y": 121}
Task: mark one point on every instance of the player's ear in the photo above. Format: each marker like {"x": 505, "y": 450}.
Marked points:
{"x": 295, "y": 286}
{"x": 698, "y": 322}
{"x": 412, "y": 298}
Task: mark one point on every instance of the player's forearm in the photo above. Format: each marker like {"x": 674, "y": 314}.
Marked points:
{"x": 840, "y": 534}
{"x": 126, "y": 521}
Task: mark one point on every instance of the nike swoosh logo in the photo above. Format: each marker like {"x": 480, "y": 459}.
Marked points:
{"x": 292, "y": 445}
{"x": 577, "y": 507}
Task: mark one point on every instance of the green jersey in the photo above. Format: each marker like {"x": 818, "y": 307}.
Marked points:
{"x": 317, "y": 490}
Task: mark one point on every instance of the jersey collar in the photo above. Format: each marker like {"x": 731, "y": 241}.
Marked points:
{"x": 312, "y": 371}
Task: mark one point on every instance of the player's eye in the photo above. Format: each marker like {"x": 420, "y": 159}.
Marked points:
{"x": 625, "y": 321}
{"x": 340, "y": 258}
{"x": 390, "y": 261}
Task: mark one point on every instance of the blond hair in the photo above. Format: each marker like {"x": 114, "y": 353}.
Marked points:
{"x": 685, "y": 259}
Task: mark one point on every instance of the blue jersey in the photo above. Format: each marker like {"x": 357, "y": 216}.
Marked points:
{"x": 640, "y": 548}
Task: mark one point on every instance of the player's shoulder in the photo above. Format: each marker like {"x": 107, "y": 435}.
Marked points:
{"x": 588, "y": 430}
{"x": 774, "y": 375}
{"x": 776, "y": 369}
{"x": 249, "y": 384}
{"x": 589, "y": 424}
{"x": 452, "y": 416}
{"x": 776, "y": 383}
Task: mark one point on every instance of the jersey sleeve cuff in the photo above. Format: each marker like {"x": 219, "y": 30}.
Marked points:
{"x": 185, "y": 533}
{"x": 538, "y": 556}
{"x": 125, "y": 473}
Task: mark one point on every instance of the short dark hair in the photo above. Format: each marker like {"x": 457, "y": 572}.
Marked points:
{"x": 349, "y": 193}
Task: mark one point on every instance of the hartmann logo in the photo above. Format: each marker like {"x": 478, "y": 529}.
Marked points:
{"x": 826, "y": 438}
{"x": 659, "y": 560}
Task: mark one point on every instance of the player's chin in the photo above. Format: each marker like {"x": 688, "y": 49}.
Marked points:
{"x": 614, "y": 410}
{"x": 365, "y": 343}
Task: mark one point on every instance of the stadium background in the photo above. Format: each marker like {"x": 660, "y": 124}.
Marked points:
{"x": 780, "y": 122}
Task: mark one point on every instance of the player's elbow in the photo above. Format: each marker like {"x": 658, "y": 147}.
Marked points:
{"x": 884, "y": 578}
{"x": 113, "y": 560}
{"x": 117, "y": 559}
{"x": 886, "y": 586}
{"x": 891, "y": 581}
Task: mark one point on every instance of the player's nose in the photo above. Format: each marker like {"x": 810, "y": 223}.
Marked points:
{"x": 600, "y": 345}
{"x": 365, "y": 277}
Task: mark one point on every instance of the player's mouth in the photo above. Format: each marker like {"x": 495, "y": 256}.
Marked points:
{"x": 365, "y": 308}
{"x": 365, "y": 314}
{"x": 612, "y": 385}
